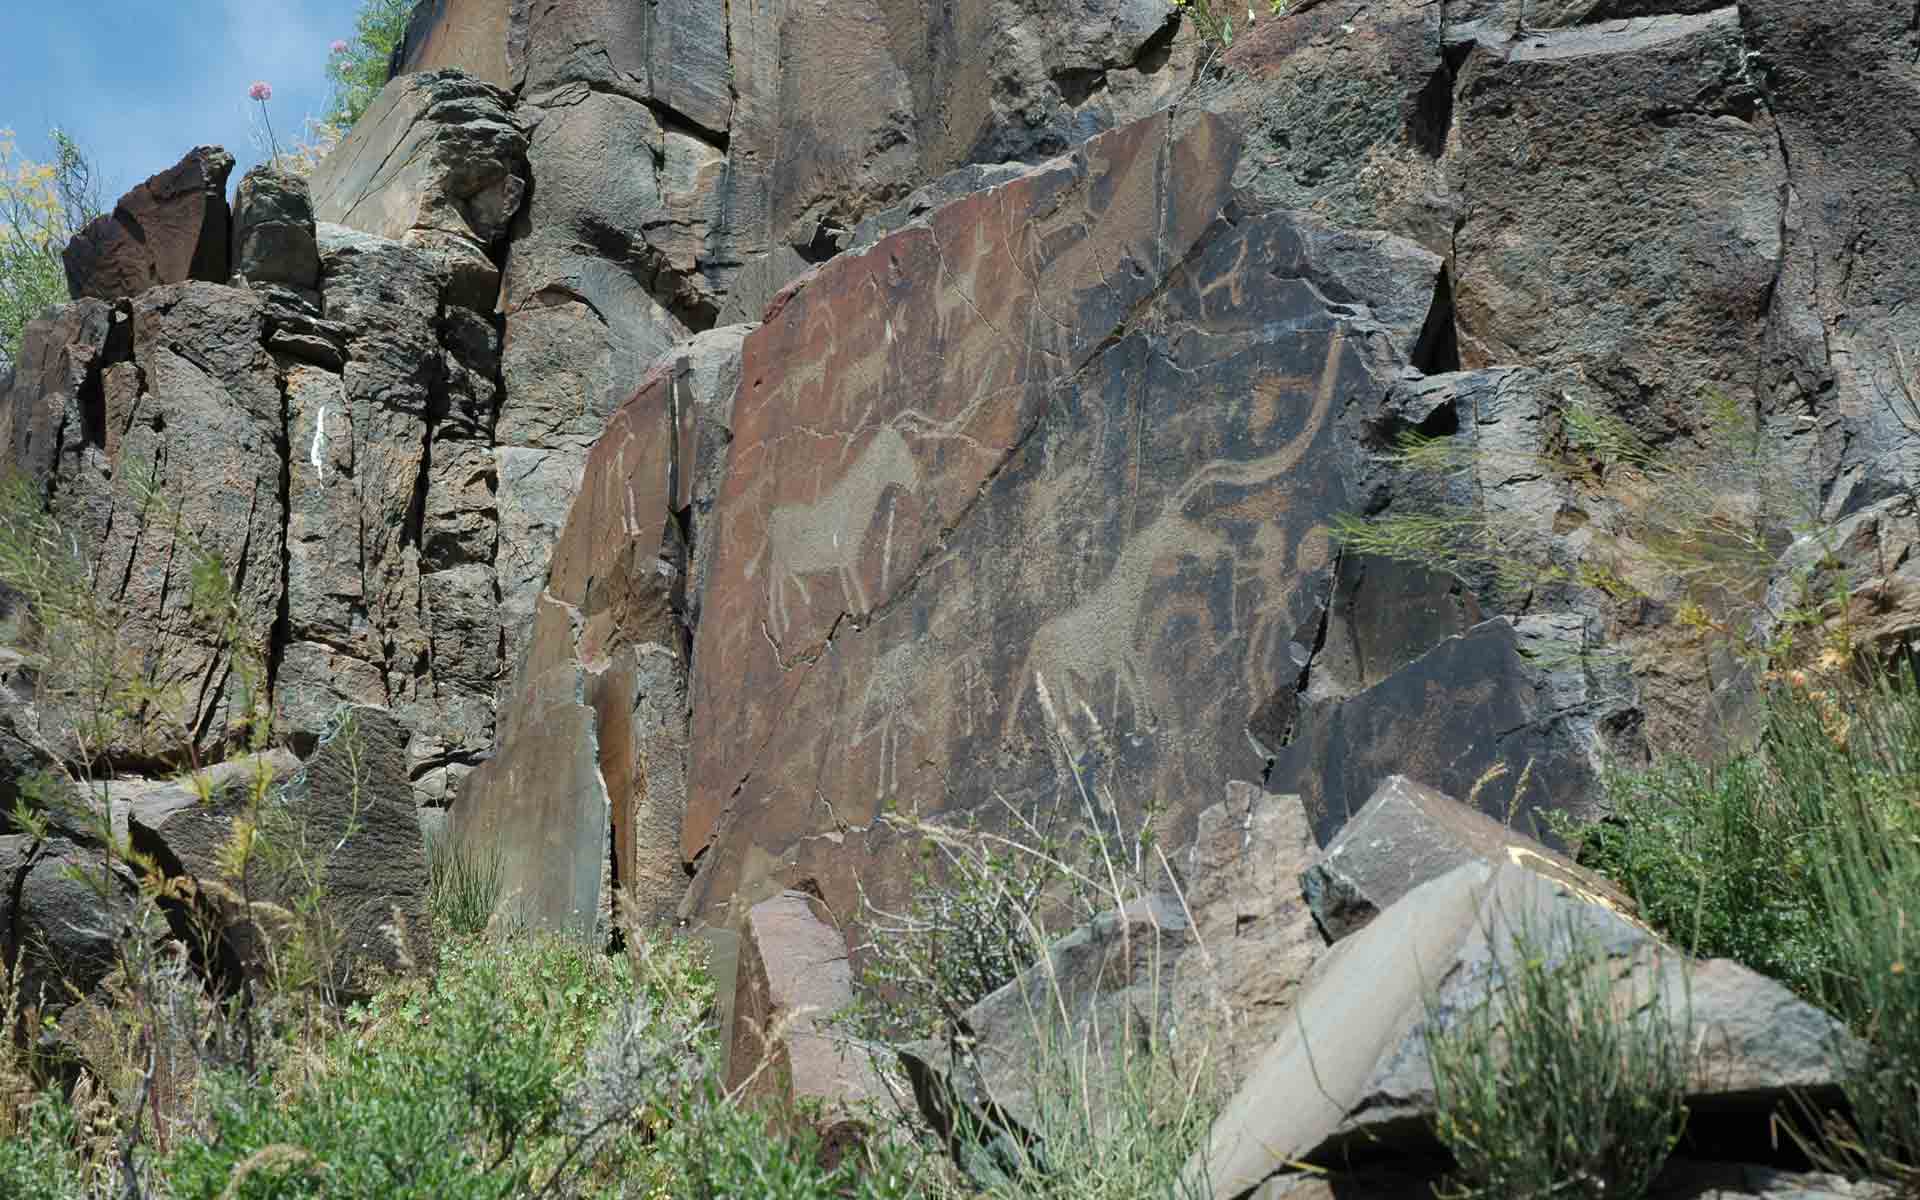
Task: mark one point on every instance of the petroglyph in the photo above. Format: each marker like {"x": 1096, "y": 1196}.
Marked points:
{"x": 1110, "y": 630}
{"x": 830, "y": 534}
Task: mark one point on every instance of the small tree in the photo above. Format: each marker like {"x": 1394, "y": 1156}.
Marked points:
{"x": 358, "y": 65}
{"x": 42, "y": 205}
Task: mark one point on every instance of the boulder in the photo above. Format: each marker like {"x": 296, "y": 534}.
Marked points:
{"x": 794, "y": 977}
{"x": 64, "y": 909}
{"x": 1351, "y": 1069}
{"x": 176, "y": 455}
{"x": 170, "y": 229}
{"x": 1407, "y": 834}
{"x": 273, "y": 238}
{"x": 49, "y": 400}
{"x": 391, "y": 525}
{"x": 344, "y": 817}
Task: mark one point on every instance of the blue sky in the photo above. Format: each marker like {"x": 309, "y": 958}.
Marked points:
{"x": 139, "y": 82}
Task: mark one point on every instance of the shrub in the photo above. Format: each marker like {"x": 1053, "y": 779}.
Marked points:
{"x": 721, "y": 1151}
{"x": 1551, "y": 1086}
{"x": 36, "y": 1159}
{"x": 1718, "y": 858}
{"x": 42, "y": 205}
{"x": 1121, "y": 1126}
{"x": 1800, "y": 857}
{"x": 471, "y": 1084}
{"x": 358, "y": 66}
{"x": 463, "y": 883}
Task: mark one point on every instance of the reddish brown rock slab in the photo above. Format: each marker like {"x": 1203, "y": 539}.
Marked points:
{"x": 1032, "y": 490}
{"x": 170, "y": 229}
{"x": 62, "y": 357}
{"x": 468, "y": 34}
{"x": 593, "y": 739}
{"x": 794, "y": 976}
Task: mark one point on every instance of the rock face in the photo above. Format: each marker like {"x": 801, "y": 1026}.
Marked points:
{"x": 436, "y": 162}
{"x": 468, "y": 34}
{"x": 170, "y": 229}
{"x": 1000, "y": 377}
{"x": 325, "y": 428}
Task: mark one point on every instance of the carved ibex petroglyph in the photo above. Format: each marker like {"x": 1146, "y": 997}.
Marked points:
{"x": 1100, "y": 632}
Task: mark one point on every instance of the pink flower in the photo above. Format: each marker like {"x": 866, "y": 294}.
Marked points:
{"x": 339, "y": 46}
{"x": 261, "y": 91}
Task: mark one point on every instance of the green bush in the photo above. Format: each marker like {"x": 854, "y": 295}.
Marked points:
{"x": 36, "y": 1159}
{"x": 466, "y": 1085}
{"x": 1551, "y": 1086}
{"x": 1800, "y": 857}
{"x": 358, "y": 70}
{"x": 1718, "y": 857}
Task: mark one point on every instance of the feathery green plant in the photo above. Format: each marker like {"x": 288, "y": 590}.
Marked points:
{"x": 1552, "y": 1086}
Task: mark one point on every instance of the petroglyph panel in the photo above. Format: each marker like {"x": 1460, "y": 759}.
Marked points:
{"x": 1029, "y": 499}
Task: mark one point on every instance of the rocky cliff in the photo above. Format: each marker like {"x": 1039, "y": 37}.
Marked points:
{"x": 709, "y": 427}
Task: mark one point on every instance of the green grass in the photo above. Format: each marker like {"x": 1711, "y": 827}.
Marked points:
{"x": 1546, "y": 1088}
{"x": 464, "y": 883}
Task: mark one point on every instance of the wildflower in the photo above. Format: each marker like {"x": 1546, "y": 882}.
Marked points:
{"x": 262, "y": 91}
{"x": 339, "y": 46}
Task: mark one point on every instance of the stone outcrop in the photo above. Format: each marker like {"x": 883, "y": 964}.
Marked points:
{"x": 437, "y": 162}
{"x": 170, "y": 229}
{"x": 273, "y": 236}
{"x": 324, "y": 427}
{"x": 596, "y": 742}
{"x": 1350, "y": 1070}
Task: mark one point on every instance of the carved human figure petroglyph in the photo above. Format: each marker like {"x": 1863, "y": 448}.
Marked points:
{"x": 830, "y": 533}
{"x": 887, "y": 712}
